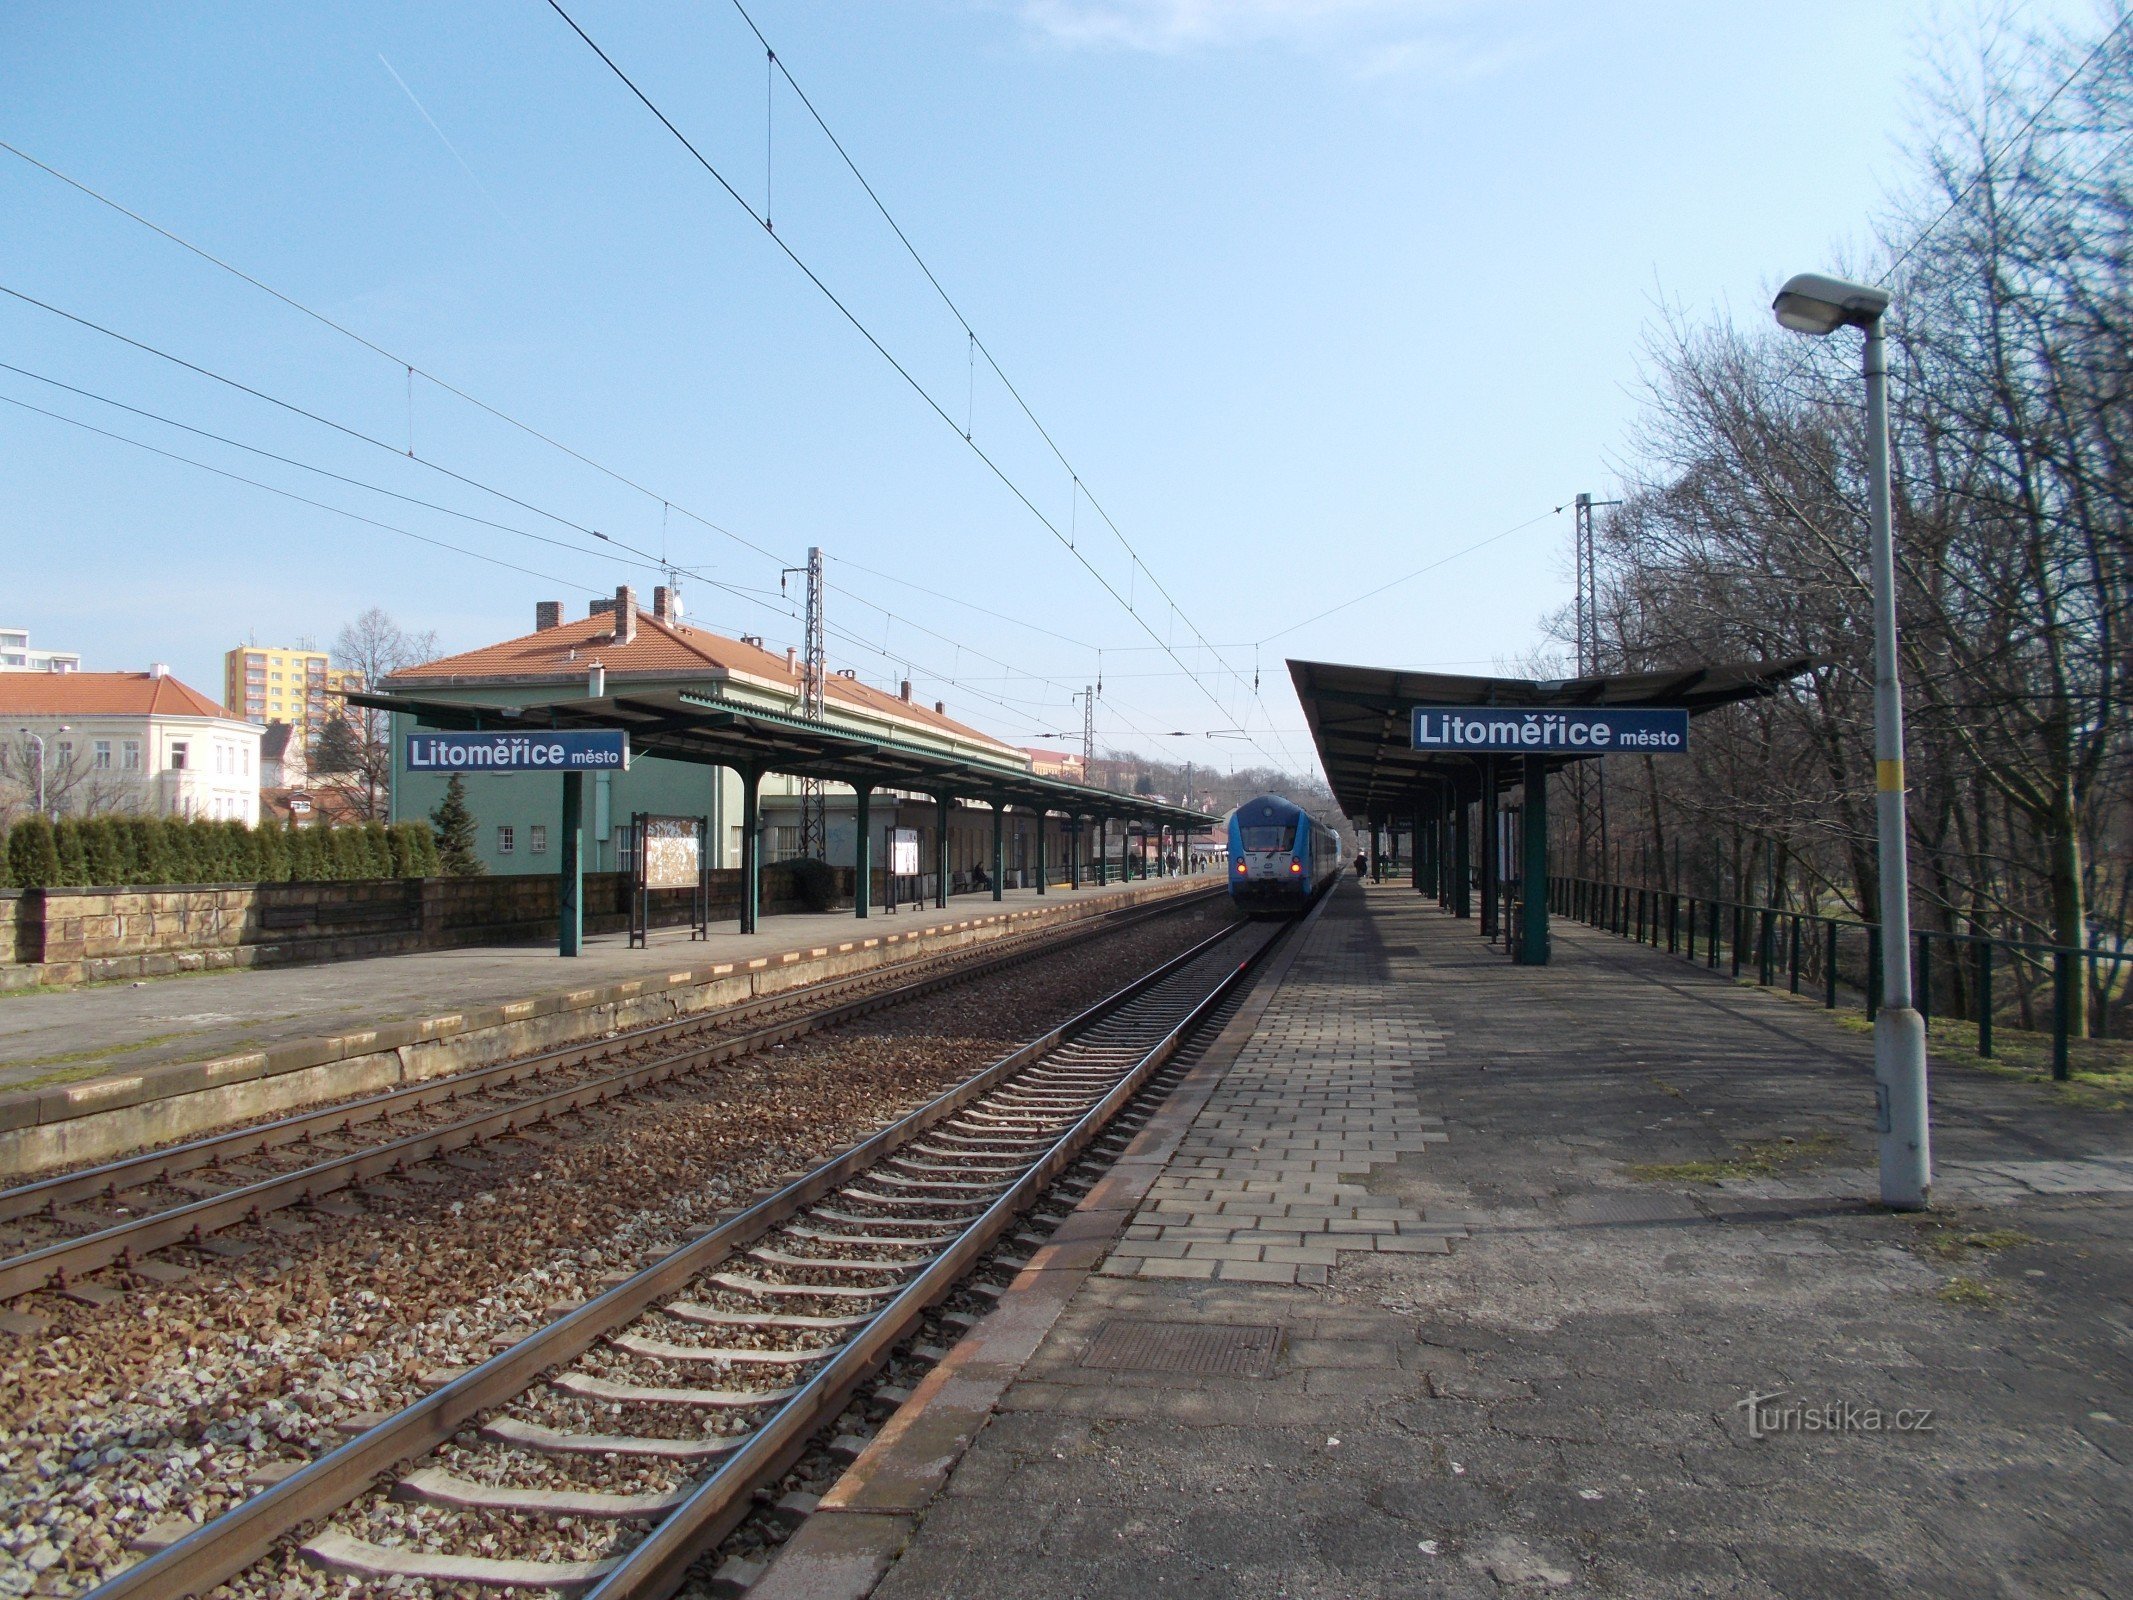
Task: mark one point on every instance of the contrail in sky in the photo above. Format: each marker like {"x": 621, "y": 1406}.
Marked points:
{"x": 441, "y": 139}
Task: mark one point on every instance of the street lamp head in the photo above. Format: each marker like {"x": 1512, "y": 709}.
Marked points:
{"x": 1812, "y": 302}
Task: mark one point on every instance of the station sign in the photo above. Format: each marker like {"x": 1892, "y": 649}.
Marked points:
{"x": 554, "y": 750}
{"x": 903, "y": 852}
{"x": 1592, "y": 731}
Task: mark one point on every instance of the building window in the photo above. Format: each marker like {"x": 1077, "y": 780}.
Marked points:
{"x": 130, "y": 755}
{"x": 63, "y": 753}
{"x": 103, "y": 755}
{"x": 784, "y": 843}
{"x": 537, "y": 839}
{"x": 504, "y": 839}
{"x": 179, "y": 750}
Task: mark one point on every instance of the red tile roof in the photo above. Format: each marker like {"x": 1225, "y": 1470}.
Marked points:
{"x": 103, "y": 694}
{"x": 567, "y": 650}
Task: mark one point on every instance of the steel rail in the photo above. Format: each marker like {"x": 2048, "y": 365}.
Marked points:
{"x": 131, "y": 1172}
{"x": 218, "y": 1550}
{"x": 61, "y": 1261}
{"x": 656, "y": 1566}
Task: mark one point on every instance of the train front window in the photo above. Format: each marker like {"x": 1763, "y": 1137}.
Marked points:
{"x": 1278, "y": 838}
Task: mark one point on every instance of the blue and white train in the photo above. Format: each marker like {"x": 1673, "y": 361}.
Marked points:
{"x": 1280, "y": 856}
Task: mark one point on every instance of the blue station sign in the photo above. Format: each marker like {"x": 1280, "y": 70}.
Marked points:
{"x": 579, "y": 750}
{"x": 1596, "y": 731}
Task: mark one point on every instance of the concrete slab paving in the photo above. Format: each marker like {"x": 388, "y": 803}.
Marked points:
{"x": 1617, "y": 1381}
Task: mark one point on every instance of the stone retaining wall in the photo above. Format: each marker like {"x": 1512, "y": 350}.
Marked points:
{"x": 75, "y": 1124}
{"x": 69, "y": 936}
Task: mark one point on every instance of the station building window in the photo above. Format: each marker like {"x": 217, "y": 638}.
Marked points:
{"x": 537, "y": 839}
{"x": 103, "y": 755}
{"x": 130, "y": 755}
{"x": 506, "y": 840}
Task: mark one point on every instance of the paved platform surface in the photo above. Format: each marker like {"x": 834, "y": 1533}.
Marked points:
{"x": 78, "y": 1034}
{"x": 1513, "y": 1349}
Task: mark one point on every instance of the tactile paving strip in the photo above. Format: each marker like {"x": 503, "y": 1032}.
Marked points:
{"x": 1208, "y": 1349}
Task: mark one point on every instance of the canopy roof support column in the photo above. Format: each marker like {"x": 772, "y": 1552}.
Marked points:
{"x": 1103, "y": 851}
{"x": 1490, "y": 834}
{"x": 1533, "y": 910}
{"x": 1462, "y": 857}
{"x": 751, "y": 847}
{"x": 999, "y": 848}
{"x": 942, "y": 802}
{"x": 863, "y": 852}
{"x": 570, "y": 870}
{"x": 1073, "y": 852}
{"x": 1043, "y": 872}
{"x": 1418, "y": 844}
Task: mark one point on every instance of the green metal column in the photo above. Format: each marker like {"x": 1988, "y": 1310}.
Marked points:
{"x": 1486, "y": 816}
{"x": 1462, "y": 858}
{"x": 1042, "y": 871}
{"x": 863, "y": 854}
{"x": 1377, "y": 849}
{"x": 751, "y": 848}
{"x": 1533, "y": 941}
{"x": 570, "y": 873}
{"x": 1415, "y": 845}
{"x": 1073, "y": 839}
{"x": 999, "y": 848}
{"x": 1103, "y": 852}
{"x": 940, "y": 853}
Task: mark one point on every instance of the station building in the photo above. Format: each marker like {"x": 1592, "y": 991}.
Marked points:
{"x": 519, "y": 818}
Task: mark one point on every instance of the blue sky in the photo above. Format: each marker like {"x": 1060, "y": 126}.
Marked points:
{"x": 1310, "y": 293}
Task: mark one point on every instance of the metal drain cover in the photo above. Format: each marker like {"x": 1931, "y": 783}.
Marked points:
{"x": 1210, "y": 1349}
{"x": 1630, "y": 1208}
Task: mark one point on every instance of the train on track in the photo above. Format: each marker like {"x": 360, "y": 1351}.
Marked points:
{"x": 1280, "y": 856}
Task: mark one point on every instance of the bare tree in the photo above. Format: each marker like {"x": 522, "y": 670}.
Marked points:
{"x": 375, "y": 647}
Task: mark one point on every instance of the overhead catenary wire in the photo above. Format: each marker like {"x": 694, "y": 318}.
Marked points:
{"x": 411, "y": 370}
{"x": 1000, "y": 473}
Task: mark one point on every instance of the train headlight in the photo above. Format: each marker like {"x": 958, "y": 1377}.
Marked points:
{"x": 1296, "y": 866}
{"x": 1240, "y": 866}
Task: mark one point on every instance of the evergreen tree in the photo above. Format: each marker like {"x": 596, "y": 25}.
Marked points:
{"x": 377, "y": 851}
{"x": 73, "y": 858}
{"x": 7, "y": 873}
{"x": 150, "y": 852}
{"x": 273, "y": 851}
{"x": 104, "y": 842}
{"x": 455, "y": 832}
{"x": 32, "y": 855}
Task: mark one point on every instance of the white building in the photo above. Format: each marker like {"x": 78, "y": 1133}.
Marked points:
{"x": 139, "y": 742}
{"x": 17, "y": 656}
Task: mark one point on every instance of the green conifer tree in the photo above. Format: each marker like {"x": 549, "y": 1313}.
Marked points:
{"x": 32, "y": 855}
{"x": 455, "y": 832}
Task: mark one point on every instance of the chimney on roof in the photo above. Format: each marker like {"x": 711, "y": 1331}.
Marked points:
{"x": 792, "y": 659}
{"x": 601, "y": 608}
{"x": 666, "y": 603}
{"x": 625, "y": 614}
{"x": 547, "y": 614}
{"x": 160, "y": 669}
{"x": 940, "y": 708}
{"x": 907, "y": 691}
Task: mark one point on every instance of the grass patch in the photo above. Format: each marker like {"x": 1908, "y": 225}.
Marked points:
{"x": 1972, "y": 1293}
{"x": 1959, "y": 1244}
{"x": 1765, "y": 1158}
{"x": 2099, "y": 1071}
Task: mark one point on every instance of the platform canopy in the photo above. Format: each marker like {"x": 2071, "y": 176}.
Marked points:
{"x": 681, "y": 724}
{"x": 1361, "y": 717}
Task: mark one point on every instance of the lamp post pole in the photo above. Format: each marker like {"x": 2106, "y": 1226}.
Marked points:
{"x": 1814, "y": 304}
{"x": 37, "y": 739}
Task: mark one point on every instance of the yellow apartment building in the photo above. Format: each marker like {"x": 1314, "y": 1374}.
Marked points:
{"x": 274, "y": 683}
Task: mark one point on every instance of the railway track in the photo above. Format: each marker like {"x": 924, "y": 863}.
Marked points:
{"x": 60, "y": 1229}
{"x": 610, "y": 1449}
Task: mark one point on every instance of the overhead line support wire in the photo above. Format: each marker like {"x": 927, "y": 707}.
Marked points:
{"x": 882, "y": 350}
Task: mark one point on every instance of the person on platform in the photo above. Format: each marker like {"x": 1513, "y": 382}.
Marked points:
{"x": 1362, "y": 863}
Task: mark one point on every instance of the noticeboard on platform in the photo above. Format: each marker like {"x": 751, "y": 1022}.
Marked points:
{"x": 1591, "y": 731}
{"x": 552, "y": 750}
{"x": 903, "y": 852}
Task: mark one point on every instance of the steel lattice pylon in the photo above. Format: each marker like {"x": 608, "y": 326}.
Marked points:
{"x": 814, "y": 675}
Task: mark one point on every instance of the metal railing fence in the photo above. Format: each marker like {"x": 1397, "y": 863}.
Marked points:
{"x": 1979, "y": 978}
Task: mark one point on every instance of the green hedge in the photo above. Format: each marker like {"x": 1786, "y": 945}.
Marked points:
{"x": 116, "y": 852}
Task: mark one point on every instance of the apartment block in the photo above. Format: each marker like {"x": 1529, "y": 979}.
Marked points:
{"x": 278, "y": 683}
{"x": 17, "y": 656}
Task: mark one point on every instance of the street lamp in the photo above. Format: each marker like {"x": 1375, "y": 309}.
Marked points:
{"x": 1812, "y": 303}
{"x": 37, "y": 739}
